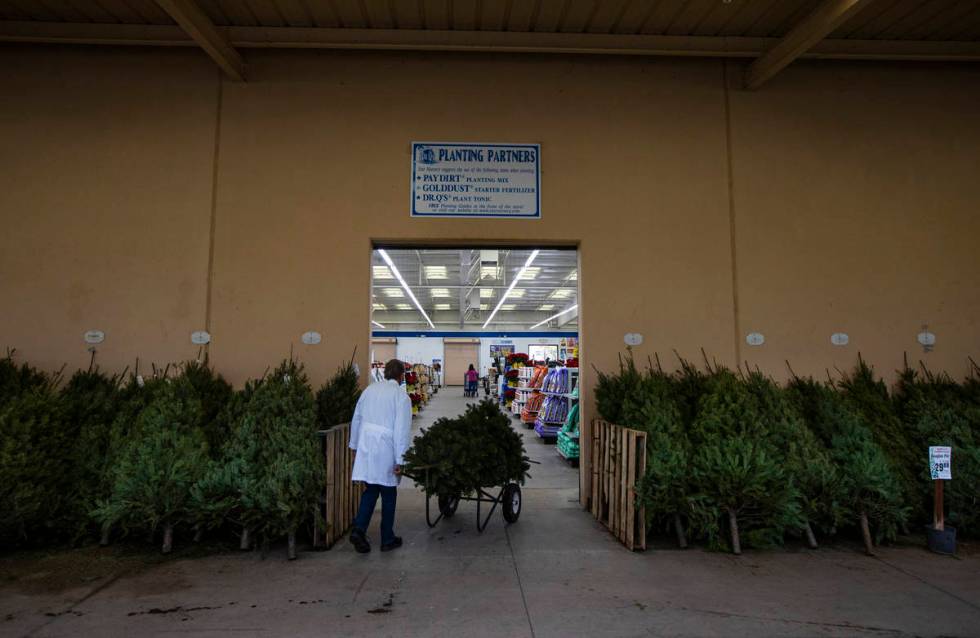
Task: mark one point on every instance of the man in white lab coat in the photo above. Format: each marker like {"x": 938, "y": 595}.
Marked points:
{"x": 380, "y": 434}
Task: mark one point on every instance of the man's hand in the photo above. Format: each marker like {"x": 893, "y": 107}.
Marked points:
{"x": 398, "y": 470}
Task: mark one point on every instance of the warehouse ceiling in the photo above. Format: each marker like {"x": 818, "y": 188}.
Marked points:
{"x": 771, "y": 34}
{"x": 461, "y": 289}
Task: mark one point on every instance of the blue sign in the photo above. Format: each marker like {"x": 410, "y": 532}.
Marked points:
{"x": 476, "y": 180}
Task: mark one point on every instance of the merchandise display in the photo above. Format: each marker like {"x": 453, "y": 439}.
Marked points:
{"x": 418, "y": 385}
{"x": 567, "y": 442}
{"x": 528, "y": 394}
{"x": 557, "y": 388}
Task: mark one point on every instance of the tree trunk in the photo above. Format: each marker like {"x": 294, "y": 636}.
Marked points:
{"x": 866, "y": 535}
{"x": 679, "y": 530}
{"x": 733, "y": 524}
{"x": 811, "y": 540}
{"x": 292, "y": 546}
{"x": 168, "y": 538}
{"x": 198, "y": 534}
{"x": 104, "y": 538}
{"x": 246, "y": 542}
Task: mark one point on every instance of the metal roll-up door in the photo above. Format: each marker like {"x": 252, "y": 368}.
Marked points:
{"x": 459, "y": 354}
{"x": 383, "y": 349}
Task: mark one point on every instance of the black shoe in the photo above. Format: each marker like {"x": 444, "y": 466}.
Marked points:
{"x": 360, "y": 541}
{"x": 394, "y": 544}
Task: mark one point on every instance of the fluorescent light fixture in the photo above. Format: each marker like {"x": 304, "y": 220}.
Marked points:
{"x": 546, "y": 306}
{"x": 488, "y": 272}
{"x": 561, "y": 293}
{"x": 530, "y": 273}
{"x": 440, "y": 292}
{"x": 517, "y": 294}
{"x": 408, "y": 291}
{"x": 381, "y": 306}
{"x": 443, "y": 306}
{"x": 393, "y": 292}
{"x": 484, "y": 306}
{"x": 527, "y": 264}
{"x": 382, "y": 272}
{"x": 377, "y": 324}
{"x": 508, "y": 306}
{"x": 403, "y": 306}
{"x": 563, "y": 312}
{"x": 486, "y": 293}
{"x": 435, "y": 272}
{"x": 573, "y": 276}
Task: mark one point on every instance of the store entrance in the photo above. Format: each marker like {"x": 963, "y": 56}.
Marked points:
{"x": 477, "y": 323}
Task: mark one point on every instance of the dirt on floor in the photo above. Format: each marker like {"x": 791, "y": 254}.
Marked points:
{"x": 55, "y": 570}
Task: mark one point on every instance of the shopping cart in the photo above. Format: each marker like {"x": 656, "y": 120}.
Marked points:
{"x": 469, "y": 387}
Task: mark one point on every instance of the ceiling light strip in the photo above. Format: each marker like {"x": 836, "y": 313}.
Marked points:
{"x": 378, "y": 324}
{"x": 511, "y": 287}
{"x": 408, "y": 291}
{"x": 563, "y": 312}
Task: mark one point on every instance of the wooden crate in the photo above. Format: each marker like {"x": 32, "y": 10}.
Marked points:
{"x": 342, "y": 495}
{"x": 618, "y": 463}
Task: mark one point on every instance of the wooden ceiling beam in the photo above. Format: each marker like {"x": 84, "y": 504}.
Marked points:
{"x": 189, "y": 16}
{"x": 484, "y": 41}
{"x": 816, "y": 26}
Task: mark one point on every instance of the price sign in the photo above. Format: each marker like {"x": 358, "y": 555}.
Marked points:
{"x": 940, "y": 457}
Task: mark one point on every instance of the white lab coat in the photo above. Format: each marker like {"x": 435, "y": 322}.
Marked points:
{"x": 381, "y": 432}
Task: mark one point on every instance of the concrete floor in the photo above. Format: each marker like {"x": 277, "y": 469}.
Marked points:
{"x": 556, "y": 572}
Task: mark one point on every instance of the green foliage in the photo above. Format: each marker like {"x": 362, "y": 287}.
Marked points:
{"x": 214, "y": 393}
{"x": 869, "y": 395}
{"x": 226, "y": 492}
{"x": 868, "y": 482}
{"x": 479, "y": 448}
{"x": 90, "y": 400}
{"x": 613, "y": 391}
{"x": 738, "y": 469}
{"x": 336, "y": 400}
{"x": 282, "y": 414}
{"x": 269, "y": 472}
{"x": 165, "y": 453}
{"x": 938, "y": 411}
{"x": 804, "y": 457}
{"x": 645, "y": 402}
{"x": 744, "y": 476}
{"x": 33, "y": 476}
{"x": 16, "y": 380}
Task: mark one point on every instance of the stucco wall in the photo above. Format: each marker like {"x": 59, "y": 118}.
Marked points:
{"x": 852, "y": 189}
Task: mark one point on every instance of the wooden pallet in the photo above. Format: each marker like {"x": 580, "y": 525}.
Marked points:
{"x": 618, "y": 463}
{"x": 342, "y": 496}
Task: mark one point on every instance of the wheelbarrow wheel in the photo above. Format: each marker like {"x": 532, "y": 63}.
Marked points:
{"x": 448, "y": 505}
{"x": 512, "y": 502}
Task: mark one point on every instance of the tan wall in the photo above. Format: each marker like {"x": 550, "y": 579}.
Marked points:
{"x": 854, "y": 197}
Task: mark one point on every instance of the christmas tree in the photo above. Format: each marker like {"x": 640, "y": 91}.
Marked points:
{"x": 938, "y": 411}
{"x": 871, "y": 492}
{"x": 737, "y": 471}
{"x": 869, "y": 396}
{"x": 336, "y": 400}
{"x": 804, "y": 457}
{"x": 33, "y": 449}
{"x": 287, "y": 473}
{"x": 477, "y": 449}
{"x": 165, "y": 455}
{"x": 91, "y": 400}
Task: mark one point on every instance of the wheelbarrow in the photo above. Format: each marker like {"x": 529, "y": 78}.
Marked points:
{"x": 507, "y": 496}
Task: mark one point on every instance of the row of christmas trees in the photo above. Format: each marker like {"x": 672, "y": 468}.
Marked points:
{"x": 177, "y": 449}
{"x": 735, "y": 459}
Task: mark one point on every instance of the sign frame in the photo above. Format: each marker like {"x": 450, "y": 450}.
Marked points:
{"x": 941, "y": 462}
{"x": 537, "y": 185}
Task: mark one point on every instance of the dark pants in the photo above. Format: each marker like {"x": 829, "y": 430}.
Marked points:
{"x": 368, "y": 500}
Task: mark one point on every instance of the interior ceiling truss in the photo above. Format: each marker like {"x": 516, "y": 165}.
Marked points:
{"x": 770, "y": 34}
